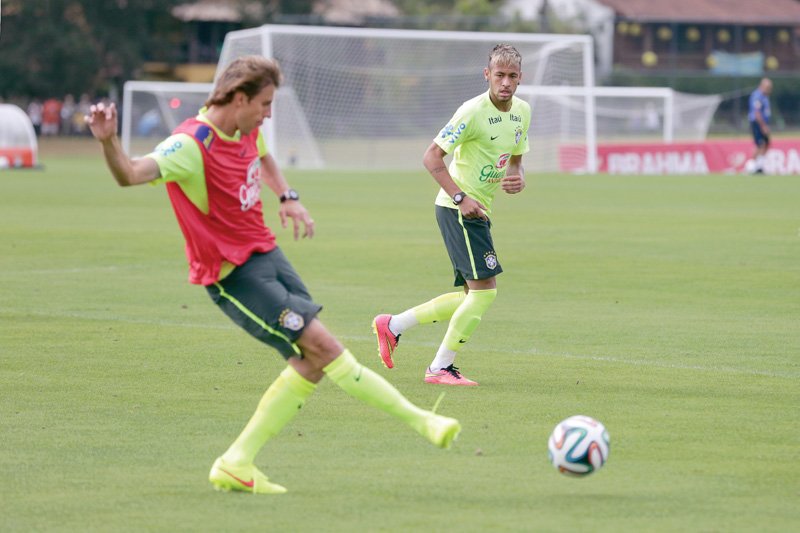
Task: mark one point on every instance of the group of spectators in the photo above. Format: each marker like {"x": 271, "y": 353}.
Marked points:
{"x": 59, "y": 117}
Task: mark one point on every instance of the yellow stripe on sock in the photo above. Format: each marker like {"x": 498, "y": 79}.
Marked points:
{"x": 469, "y": 246}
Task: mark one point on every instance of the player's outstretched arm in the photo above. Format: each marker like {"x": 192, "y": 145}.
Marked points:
{"x": 102, "y": 122}
{"x": 514, "y": 182}
{"x": 290, "y": 209}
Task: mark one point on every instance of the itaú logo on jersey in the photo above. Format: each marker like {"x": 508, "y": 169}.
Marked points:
{"x": 250, "y": 191}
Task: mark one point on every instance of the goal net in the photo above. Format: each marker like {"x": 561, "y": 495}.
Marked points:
{"x": 572, "y": 121}
{"x": 152, "y": 109}
{"x": 374, "y": 99}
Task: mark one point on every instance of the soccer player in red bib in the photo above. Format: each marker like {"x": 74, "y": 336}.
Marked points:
{"x": 213, "y": 166}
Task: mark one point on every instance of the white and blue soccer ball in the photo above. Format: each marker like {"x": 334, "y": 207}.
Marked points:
{"x": 578, "y": 446}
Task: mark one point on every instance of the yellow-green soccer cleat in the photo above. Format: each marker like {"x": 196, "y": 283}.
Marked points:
{"x": 441, "y": 430}
{"x": 247, "y": 478}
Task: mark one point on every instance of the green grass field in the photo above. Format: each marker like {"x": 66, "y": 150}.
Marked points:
{"x": 666, "y": 307}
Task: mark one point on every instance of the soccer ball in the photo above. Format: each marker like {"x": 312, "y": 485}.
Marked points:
{"x": 578, "y": 446}
{"x": 750, "y": 166}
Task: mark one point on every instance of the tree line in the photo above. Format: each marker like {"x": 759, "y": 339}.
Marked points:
{"x": 57, "y": 47}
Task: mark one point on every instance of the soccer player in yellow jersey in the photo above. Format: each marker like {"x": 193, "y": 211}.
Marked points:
{"x": 487, "y": 137}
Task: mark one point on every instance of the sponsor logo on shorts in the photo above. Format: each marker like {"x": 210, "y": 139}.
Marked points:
{"x": 491, "y": 260}
{"x": 291, "y": 320}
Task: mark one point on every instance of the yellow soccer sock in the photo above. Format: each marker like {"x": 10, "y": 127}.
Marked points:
{"x": 440, "y": 308}
{"x": 362, "y": 383}
{"x": 467, "y": 317}
{"x": 277, "y": 407}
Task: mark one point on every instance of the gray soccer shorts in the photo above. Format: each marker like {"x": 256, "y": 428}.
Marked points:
{"x": 469, "y": 245}
{"x": 267, "y": 298}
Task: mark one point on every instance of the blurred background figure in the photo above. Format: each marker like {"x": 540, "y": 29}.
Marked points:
{"x": 83, "y": 109}
{"x": 35, "y": 114}
{"x": 759, "y": 115}
{"x": 68, "y": 110}
{"x": 51, "y": 116}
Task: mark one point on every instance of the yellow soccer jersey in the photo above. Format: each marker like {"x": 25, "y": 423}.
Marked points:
{"x": 482, "y": 139}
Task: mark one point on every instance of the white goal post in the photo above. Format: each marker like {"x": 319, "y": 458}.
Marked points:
{"x": 375, "y": 98}
{"x": 152, "y": 109}
{"x": 580, "y": 118}
{"x": 356, "y": 98}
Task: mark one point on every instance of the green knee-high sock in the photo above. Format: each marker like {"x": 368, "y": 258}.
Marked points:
{"x": 440, "y": 308}
{"x": 362, "y": 383}
{"x": 277, "y": 407}
{"x": 467, "y": 317}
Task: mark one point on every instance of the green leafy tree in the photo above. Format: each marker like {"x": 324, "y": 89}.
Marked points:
{"x": 54, "y": 47}
{"x": 478, "y": 8}
{"x": 468, "y": 15}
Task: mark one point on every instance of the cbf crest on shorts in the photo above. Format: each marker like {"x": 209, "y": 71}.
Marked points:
{"x": 491, "y": 260}
{"x": 291, "y": 320}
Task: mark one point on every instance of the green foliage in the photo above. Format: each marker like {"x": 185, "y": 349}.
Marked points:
{"x": 477, "y": 8}
{"x": 54, "y": 47}
{"x": 665, "y": 306}
{"x": 271, "y": 11}
{"x": 470, "y": 15}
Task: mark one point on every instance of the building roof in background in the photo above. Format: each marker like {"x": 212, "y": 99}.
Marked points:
{"x": 208, "y": 11}
{"x": 354, "y": 11}
{"x": 737, "y": 12}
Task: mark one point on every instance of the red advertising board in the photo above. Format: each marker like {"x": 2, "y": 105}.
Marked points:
{"x": 707, "y": 157}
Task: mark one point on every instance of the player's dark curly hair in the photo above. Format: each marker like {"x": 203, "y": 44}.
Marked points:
{"x": 248, "y": 74}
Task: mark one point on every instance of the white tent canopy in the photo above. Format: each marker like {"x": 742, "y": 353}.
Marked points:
{"x": 18, "y": 146}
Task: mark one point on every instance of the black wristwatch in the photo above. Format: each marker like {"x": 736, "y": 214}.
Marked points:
{"x": 459, "y": 197}
{"x": 291, "y": 194}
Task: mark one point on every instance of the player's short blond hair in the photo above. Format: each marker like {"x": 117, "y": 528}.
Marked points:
{"x": 505, "y": 55}
{"x": 248, "y": 74}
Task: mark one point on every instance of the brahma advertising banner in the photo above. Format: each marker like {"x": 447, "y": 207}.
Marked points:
{"x": 708, "y": 157}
